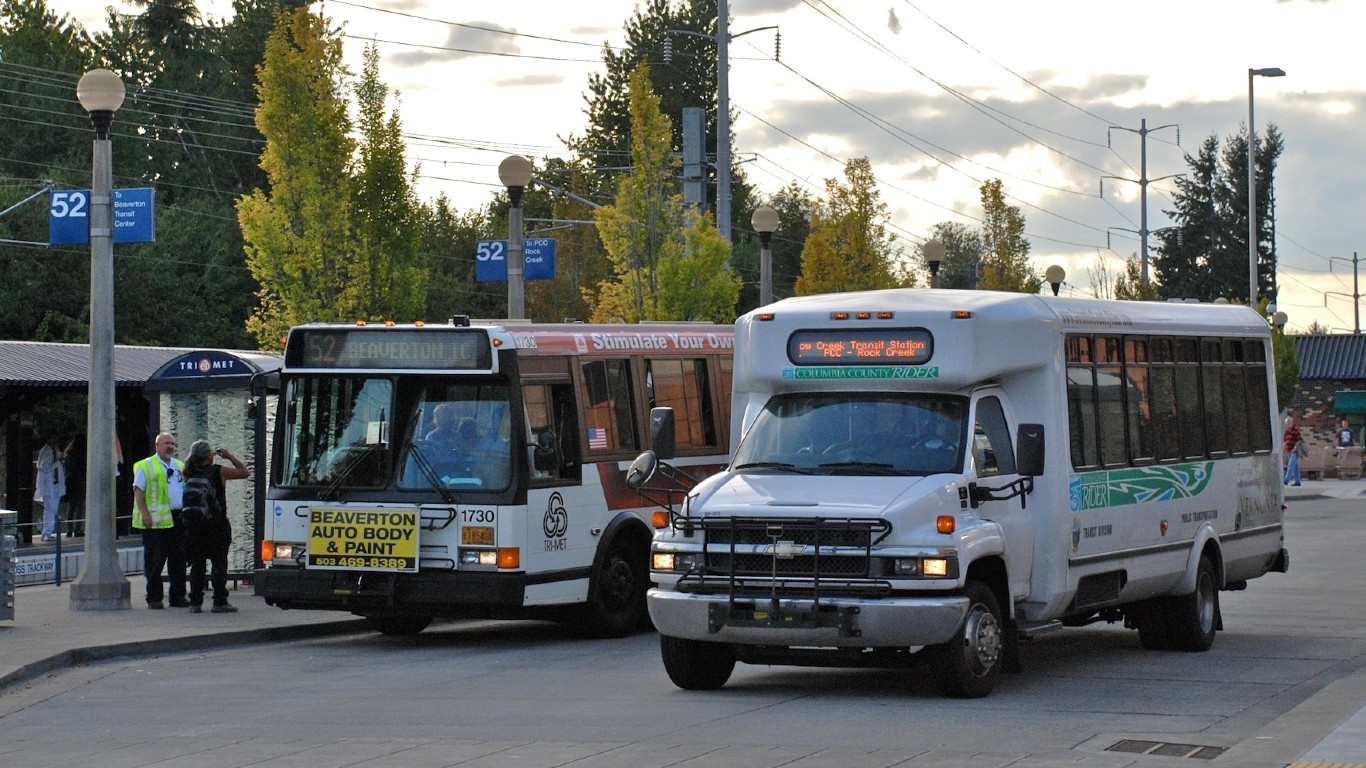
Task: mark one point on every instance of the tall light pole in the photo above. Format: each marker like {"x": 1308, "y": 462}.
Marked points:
{"x": 723, "y": 120}
{"x": 765, "y": 222}
{"x": 515, "y": 173}
{"x": 934, "y": 257}
{"x": 100, "y": 585}
{"x": 1252, "y": 184}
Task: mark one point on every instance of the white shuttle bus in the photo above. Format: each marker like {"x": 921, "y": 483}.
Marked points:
{"x": 951, "y": 471}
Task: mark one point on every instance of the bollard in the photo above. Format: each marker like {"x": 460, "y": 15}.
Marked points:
{"x": 8, "y": 540}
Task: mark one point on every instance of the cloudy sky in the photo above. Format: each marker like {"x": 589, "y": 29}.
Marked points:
{"x": 940, "y": 95}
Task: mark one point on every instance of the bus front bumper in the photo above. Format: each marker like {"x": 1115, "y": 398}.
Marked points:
{"x": 440, "y": 593}
{"x": 836, "y": 622}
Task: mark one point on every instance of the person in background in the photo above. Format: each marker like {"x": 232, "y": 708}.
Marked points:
{"x": 1290, "y": 443}
{"x": 209, "y": 540}
{"x": 1343, "y": 437}
{"x": 50, "y": 485}
{"x": 158, "y": 490}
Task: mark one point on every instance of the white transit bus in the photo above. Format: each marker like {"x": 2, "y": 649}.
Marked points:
{"x": 950, "y": 471}
{"x": 426, "y": 471}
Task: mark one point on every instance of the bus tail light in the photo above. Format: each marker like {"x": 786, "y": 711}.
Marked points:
{"x": 267, "y": 551}
{"x": 509, "y": 557}
{"x": 659, "y": 518}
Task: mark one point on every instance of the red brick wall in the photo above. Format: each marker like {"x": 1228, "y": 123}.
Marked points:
{"x": 1314, "y": 401}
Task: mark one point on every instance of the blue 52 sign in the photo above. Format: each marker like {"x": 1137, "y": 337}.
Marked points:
{"x": 134, "y": 216}
{"x": 490, "y": 260}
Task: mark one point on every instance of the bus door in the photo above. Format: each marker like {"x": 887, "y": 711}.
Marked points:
{"x": 991, "y": 460}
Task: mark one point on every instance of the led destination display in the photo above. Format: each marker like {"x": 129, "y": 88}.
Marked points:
{"x": 861, "y": 346}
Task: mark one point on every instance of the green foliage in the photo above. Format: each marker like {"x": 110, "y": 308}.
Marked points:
{"x": 1130, "y": 285}
{"x": 695, "y": 284}
{"x": 848, "y": 248}
{"x": 641, "y": 232}
{"x": 298, "y": 238}
{"x": 1005, "y": 263}
{"x": 1287, "y": 361}
{"x": 386, "y": 221}
{"x": 962, "y": 249}
{"x": 447, "y": 245}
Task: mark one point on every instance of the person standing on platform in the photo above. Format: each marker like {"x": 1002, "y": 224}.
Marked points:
{"x": 158, "y": 491}
{"x": 1291, "y": 443}
{"x": 208, "y": 533}
{"x": 50, "y": 485}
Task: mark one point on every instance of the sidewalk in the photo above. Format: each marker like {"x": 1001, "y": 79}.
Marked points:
{"x": 47, "y": 635}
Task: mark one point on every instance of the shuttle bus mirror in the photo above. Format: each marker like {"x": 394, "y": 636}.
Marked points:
{"x": 640, "y": 470}
{"x": 662, "y": 432}
{"x": 1029, "y": 445}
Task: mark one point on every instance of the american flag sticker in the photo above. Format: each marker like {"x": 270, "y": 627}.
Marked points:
{"x": 597, "y": 437}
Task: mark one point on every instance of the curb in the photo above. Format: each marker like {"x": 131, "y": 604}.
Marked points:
{"x": 144, "y": 648}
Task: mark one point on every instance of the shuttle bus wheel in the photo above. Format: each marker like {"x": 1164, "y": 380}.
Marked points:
{"x": 972, "y": 661}
{"x": 694, "y": 665}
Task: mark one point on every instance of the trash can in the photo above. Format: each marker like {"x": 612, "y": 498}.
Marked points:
{"x": 8, "y": 534}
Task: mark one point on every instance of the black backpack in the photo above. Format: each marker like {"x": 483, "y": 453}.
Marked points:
{"x": 200, "y": 504}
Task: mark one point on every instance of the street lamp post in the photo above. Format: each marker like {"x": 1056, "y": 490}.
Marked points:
{"x": 765, "y": 222}
{"x": 100, "y": 585}
{"x": 1055, "y": 275}
{"x": 1252, "y": 184}
{"x": 515, "y": 173}
{"x": 934, "y": 257}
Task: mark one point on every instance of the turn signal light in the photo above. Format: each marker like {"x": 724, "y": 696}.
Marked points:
{"x": 509, "y": 557}
{"x": 945, "y": 524}
{"x": 659, "y": 518}
{"x": 267, "y": 551}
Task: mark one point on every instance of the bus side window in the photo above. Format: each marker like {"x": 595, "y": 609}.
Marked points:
{"x": 991, "y": 446}
{"x": 550, "y": 417}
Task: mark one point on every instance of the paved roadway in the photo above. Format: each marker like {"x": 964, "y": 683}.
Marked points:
{"x": 1284, "y": 684}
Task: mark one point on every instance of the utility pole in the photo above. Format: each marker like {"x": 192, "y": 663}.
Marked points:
{"x": 1356, "y": 291}
{"x": 1143, "y": 130}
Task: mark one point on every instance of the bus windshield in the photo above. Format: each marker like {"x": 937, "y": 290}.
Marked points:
{"x": 336, "y": 431}
{"x": 872, "y": 433}
{"x": 460, "y": 437}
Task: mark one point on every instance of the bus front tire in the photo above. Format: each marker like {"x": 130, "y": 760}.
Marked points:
{"x": 398, "y": 626}
{"x": 694, "y": 665}
{"x": 616, "y": 598}
{"x": 971, "y": 662}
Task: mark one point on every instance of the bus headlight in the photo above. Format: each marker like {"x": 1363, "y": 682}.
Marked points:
{"x": 283, "y": 552}
{"x": 674, "y": 561}
{"x": 487, "y": 557}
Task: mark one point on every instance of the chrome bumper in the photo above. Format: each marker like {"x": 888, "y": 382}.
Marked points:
{"x": 838, "y": 623}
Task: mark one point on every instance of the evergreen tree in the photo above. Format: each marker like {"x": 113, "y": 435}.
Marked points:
{"x": 448, "y": 241}
{"x": 298, "y": 238}
{"x": 1005, "y": 263}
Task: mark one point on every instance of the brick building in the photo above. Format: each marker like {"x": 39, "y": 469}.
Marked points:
{"x": 1332, "y": 385}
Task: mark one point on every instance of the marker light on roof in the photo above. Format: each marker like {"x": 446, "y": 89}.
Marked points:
{"x": 962, "y": 314}
{"x": 839, "y": 315}
{"x": 863, "y": 315}
{"x": 886, "y": 315}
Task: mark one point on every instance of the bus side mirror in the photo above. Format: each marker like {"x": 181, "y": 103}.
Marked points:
{"x": 544, "y": 456}
{"x": 662, "y": 432}
{"x": 1029, "y": 444}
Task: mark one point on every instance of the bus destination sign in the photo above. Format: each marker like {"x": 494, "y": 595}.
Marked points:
{"x": 443, "y": 348}
{"x": 861, "y": 346}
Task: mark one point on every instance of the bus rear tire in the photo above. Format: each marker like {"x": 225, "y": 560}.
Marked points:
{"x": 972, "y": 661}
{"x": 398, "y": 626}
{"x": 616, "y": 597}
{"x": 1192, "y": 619}
{"x": 694, "y": 665}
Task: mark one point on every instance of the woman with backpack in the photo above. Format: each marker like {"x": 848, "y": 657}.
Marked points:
{"x": 208, "y": 533}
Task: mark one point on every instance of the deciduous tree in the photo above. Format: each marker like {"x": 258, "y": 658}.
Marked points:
{"x": 1005, "y": 262}
{"x": 848, "y": 248}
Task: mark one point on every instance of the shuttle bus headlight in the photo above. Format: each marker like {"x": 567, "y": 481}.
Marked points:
{"x": 674, "y": 561}
{"x": 925, "y": 567}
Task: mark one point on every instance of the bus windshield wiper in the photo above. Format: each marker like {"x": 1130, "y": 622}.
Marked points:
{"x": 782, "y": 465}
{"x": 354, "y": 459}
{"x": 429, "y": 472}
